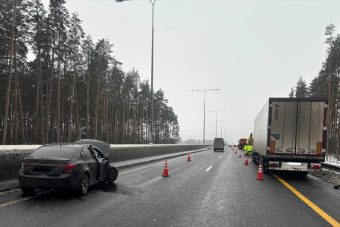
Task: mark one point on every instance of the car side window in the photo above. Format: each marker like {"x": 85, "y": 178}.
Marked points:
{"x": 88, "y": 153}
{"x": 98, "y": 153}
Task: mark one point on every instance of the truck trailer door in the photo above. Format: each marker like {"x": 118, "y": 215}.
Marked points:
{"x": 310, "y": 127}
{"x": 296, "y": 127}
{"x": 283, "y": 127}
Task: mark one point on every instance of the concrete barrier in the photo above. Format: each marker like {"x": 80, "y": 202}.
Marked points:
{"x": 11, "y": 156}
{"x": 128, "y": 152}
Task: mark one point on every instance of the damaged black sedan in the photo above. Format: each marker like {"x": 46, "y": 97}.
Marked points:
{"x": 74, "y": 166}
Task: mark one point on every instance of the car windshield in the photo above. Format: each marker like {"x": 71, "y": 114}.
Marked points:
{"x": 56, "y": 151}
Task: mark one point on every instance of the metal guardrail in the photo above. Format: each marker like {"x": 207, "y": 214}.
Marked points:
{"x": 331, "y": 166}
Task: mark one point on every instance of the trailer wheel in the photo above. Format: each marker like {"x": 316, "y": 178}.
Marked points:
{"x": 302, "y": 174}
{"x": 265, "y": 165}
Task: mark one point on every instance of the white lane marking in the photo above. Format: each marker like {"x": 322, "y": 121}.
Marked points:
{"x": 15, "y": 201}
{"x": 133, "y": 170}
{"x": 24, "y": 199}
{"x": 4, "y": 193}
{"x": 208, "y": 168}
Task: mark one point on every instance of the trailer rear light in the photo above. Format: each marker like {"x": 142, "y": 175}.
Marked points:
{"x": 315, "y": 166}
{"x": 272, "y": 147}
{"x": 274, "y": 164}
{"x": 318, "y": 148}
{"x": 69, "y": 167}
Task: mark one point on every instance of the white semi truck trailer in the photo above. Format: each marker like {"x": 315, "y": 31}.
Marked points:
{"x": 290, "y": 134}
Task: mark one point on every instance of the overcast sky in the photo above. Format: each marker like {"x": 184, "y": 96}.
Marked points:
{"x": 250, "y": 49}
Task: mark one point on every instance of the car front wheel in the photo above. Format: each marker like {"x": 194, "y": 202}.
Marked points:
{"x": 112, "y": 175}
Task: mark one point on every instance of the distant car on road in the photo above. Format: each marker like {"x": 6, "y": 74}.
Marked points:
{"x": 219, "y": 144}
{"x": 74, "y": 166}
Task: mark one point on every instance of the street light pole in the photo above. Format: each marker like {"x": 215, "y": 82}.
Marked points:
{"x": 222, "y": 126}
{"x": 225, "y": 135}
{"x": 152, "y": 48}
{"x": 204, "y": 97}
{"x": 152, "y": 51}
{"x": 205, "y": 93}
{"x": 221, "y": 131}
{"x": 218, "y": 111}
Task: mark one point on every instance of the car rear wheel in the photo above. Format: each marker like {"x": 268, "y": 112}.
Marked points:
{"x": 112, "y": 175}
{"x": 84, "y": 185}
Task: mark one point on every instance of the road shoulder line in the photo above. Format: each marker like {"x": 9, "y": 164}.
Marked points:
{"x": 312, "y": 205}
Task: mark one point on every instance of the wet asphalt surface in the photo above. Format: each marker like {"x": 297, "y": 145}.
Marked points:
{"x": 226, "y": 195}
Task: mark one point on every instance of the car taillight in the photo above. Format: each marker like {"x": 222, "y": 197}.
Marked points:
{"x": 69, "y": 167}
{"x": 315, "y": 166}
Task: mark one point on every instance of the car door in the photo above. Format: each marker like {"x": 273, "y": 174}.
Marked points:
{"x": 92, "y": 163}
{"x": 103, "y": 162}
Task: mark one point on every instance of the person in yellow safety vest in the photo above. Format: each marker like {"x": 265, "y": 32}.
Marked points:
{"x": 245, "y": 148}
{"x": 249, "y": 150}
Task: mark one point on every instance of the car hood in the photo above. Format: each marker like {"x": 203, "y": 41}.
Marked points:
{"x": 102, "y": 146}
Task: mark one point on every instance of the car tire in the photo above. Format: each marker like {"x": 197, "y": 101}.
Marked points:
{"x": 112, "y": 175}
{"x": 84, "y": 185}
{"x": 28, "y": 191}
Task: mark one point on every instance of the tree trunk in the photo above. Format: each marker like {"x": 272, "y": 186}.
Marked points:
{"x": 71, "y": 107}
{"x": 22, "y": 128}
{"x": 88, "y": 107}
{"x": 41, "y": 101}
{"x": 10, "y": 71}
{"x": 97, "y": 112}
{"x": 77, "y": 117}
{"x": 36, "y": 114}
{"x": 58, "y": 102}
{"x": 15, "y": 98}
{"x": 49, "y": 92}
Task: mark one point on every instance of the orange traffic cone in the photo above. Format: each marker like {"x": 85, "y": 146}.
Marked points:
{"x": 166, "y": 170}
{"x": 259, "y": 175}
{"x": 189, "y": 158}
{"x": 246, "y": 162}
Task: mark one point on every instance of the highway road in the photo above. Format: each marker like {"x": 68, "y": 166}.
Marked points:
{"x": 214, "y": 189}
